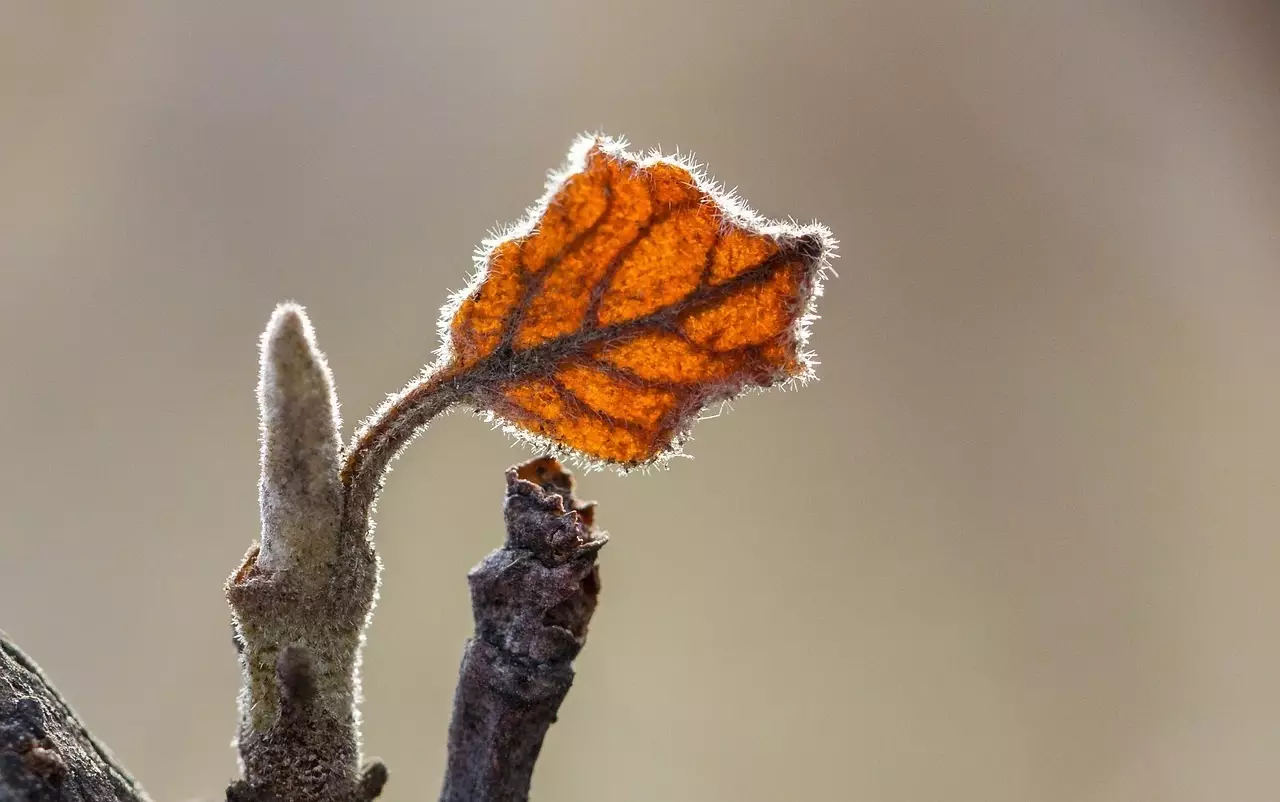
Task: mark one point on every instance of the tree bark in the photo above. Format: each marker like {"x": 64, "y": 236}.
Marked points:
{"x": 46, "y": 754}
{"x": 532, "y": 600}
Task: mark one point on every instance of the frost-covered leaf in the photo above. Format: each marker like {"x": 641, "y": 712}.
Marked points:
{"x": 633, "y": 295}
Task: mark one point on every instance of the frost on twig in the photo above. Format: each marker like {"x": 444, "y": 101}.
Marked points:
{"x": 532, "y": 601}
{"x": 304, "y": 593}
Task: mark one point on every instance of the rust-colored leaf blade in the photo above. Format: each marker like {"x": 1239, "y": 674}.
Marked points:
{"x": 634, "y": 295}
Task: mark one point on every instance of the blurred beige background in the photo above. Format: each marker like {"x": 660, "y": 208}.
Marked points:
{"x": 1020, "y": 542}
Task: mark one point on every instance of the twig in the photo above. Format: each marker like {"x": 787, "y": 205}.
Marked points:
{"x": 46, "y": 754}
{"x": 532, "y": 600}
{"x": 303, "y": 596}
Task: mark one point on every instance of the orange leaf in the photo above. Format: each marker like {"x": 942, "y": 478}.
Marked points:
{"x": 633, "y": 295}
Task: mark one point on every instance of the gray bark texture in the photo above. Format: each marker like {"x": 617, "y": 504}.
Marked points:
{"x": 46, "y": 754}
{"x": 532, "y": 601}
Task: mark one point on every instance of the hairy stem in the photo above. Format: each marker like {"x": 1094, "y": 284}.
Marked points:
{"x": 532, "y": 600}
{"x": 382, "y": 438}
{"x": 304, "y": 594}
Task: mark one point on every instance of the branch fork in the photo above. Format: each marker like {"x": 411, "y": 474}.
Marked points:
{"x": 305, "y": 592}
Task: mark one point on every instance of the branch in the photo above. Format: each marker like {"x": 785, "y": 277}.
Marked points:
{"x": 46, "y": 754}
{"x": 303, "y": 595}
{"x": 532, "y": 600}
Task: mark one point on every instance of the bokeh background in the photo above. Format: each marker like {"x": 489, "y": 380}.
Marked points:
{"x": 1019, "y": 543}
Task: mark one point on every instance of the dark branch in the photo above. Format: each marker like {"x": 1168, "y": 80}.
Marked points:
{"x": 532, "y": 600}
{"x": 46, "y": 754}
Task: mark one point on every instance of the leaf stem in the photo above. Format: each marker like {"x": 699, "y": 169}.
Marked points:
{"x": 385, "y": 435}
